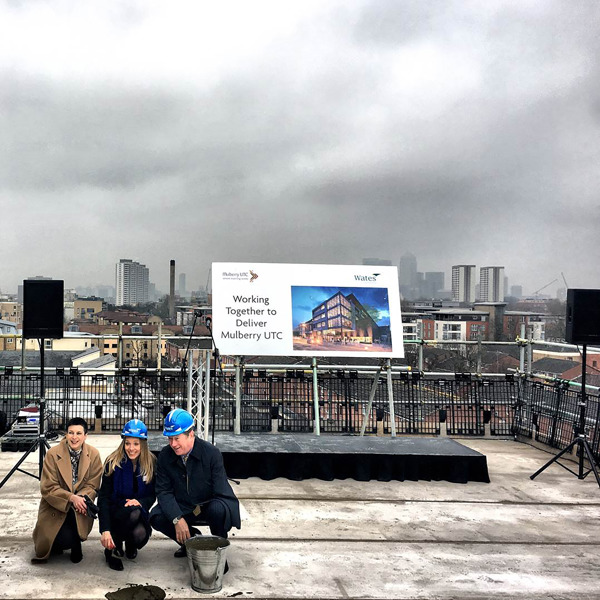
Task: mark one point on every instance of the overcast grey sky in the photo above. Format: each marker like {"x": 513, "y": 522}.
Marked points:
{"x": 315, "y": 131}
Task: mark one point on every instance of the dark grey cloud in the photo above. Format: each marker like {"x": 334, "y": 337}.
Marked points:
{"x": 459, "y": 131}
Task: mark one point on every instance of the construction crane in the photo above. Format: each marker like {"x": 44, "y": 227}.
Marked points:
{"x": 564, "y": 279}
{"x": 544, "y": 287}
{"x": 208, "y": 287}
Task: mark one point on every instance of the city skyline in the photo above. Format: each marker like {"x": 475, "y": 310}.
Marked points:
{"x": 465, "y": 133}
{"x": 559, "y": 285}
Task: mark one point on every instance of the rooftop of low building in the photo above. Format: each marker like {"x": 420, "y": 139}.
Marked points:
{"x": 511, "y": 538}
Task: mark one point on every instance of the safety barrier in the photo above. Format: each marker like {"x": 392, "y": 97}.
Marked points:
{"x": 460, "y": 404}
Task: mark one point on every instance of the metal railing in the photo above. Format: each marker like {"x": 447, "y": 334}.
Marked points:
{"x": 460, "y": 404}
{"x": 322, "y": 398}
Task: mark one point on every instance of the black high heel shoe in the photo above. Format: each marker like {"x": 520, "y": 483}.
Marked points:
{"x": 114, "y": 563}
{"x": 130, "y": 550}
{"x": 118, "y": 550}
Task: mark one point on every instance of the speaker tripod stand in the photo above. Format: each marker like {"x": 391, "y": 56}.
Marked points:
{"x": 580, "y": 441}
{"x": 40, "y": 443}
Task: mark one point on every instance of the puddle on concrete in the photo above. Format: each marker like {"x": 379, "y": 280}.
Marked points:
{"x": 137, "y": 592}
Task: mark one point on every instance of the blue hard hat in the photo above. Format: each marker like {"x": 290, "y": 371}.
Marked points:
{"x": 135, "y": 428}
{"x": 177, "y": 421}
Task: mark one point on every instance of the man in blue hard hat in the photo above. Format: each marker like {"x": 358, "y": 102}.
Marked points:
{"x": 191, "y": 485}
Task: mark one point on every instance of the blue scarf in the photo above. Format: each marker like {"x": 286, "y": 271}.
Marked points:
{"x": 123, "y": 482}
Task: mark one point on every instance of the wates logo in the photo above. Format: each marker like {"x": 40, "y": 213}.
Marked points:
{"x": 367, "y": 277}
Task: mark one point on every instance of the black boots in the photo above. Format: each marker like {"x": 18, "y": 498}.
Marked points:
{"x": 113, "y": 562}
{"x": 130, "y": 550}
{"x": 76, "y": 552}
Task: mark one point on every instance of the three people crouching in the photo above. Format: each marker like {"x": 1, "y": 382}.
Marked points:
{"x": 191, "y": 489}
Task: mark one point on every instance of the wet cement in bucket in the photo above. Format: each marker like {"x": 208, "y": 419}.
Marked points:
{"x": 206, "y": 543}
{"x": 206, "y": 560}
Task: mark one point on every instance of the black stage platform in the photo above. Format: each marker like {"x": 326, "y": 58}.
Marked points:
{"x": 328, "y": 457}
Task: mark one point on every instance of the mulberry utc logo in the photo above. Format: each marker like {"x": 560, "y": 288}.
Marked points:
{"x": 248, "y": 275}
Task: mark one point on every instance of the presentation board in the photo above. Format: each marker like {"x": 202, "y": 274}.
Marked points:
{"x": 264, "y": 309}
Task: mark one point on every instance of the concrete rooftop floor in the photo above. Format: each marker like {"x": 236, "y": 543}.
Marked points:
{"x": 511, "y": 538}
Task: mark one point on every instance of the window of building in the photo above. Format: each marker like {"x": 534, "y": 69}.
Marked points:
{"x": 337, "y": 322}
{"x": 336, "y": 310}
{"x": 333, "y": 302}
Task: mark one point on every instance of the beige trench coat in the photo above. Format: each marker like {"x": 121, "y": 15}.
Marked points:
{"x": 56, "y": 486}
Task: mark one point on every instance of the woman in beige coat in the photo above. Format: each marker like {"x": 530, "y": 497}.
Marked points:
{"x": 71, "y": 470}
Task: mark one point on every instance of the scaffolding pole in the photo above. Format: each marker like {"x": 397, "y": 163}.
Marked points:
{"x": 370, "y": 403}
{"x": 198, "y": 397}
{"x": 390, "y": 390}
{"x": 317, "y": 423}
{"x": 237, "y": 422}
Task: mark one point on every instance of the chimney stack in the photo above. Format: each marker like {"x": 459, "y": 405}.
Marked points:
{"x": 172, "y": 291}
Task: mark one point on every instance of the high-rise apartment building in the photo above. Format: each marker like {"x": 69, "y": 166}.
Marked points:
{"x": 408, "y": 270}
{"x": 433, "y": 284}
{"x": 131, "y": 282}
{"x": 491, "y": 284}
{"x": 463, "y": 283}
{"x": 407, "y": 274}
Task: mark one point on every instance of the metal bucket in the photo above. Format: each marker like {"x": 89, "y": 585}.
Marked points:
{"x": 206, "y": 558}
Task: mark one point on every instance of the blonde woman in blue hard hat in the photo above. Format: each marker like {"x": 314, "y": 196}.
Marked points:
{"x": 126, "y": 495}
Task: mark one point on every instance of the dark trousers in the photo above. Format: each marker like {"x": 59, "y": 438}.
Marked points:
{"x": 130, "y": 524}
{"x": 213, "y": 514}
{"x": 67, "y": 536}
